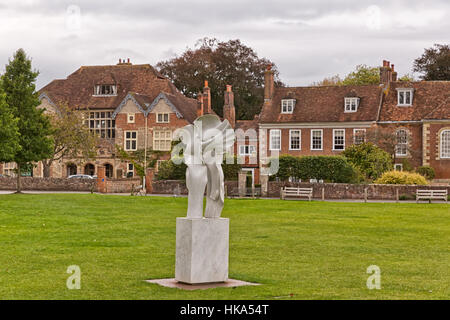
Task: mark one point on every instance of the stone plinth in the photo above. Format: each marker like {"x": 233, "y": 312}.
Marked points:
{"x": 202, "y": 250}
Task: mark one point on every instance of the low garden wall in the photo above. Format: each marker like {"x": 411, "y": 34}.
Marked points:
{"x": 49, "y": 184}
{"x": 178, "y": 187}
{"x": 122, "y": 185}
{"x": 354, "y": 191}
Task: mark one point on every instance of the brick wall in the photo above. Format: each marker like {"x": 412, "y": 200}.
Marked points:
{"x": 122, "y": 185}
{"x": 49, "y": 184}
{"x": 179, "y": 187}
{"x": 352, "y": 191}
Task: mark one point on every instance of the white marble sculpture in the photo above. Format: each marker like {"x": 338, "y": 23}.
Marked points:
{"x": 202, "y": 242}
{"x": 204, "y": 144}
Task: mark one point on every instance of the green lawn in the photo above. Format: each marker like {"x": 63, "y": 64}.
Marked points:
{"x": 295, "y": 249}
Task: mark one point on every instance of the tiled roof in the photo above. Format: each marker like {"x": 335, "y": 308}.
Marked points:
{"x": 142, "y": 80}
{"x": 323, "y": 104}
{"x": 431, "y": 100}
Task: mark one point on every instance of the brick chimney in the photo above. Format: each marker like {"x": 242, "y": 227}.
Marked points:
{"x": 229, "y": 111}
{"x": 206, "y": 99}
{"x": 268, "y": 83}
{"x": 199, "y": 104}
{"x": 385, "y": 73}
{"x": 394, "y": 73}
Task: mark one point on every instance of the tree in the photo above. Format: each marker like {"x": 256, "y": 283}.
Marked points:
{"x": 140, "y": 159}
{"x": 434, "y": 64}
{"x": 371, "y": 160}
{"x": 330, "y": 81}
{"x": 18, "y": 83}
{"x": 71, "y": 137}
{"x": 221, "y": 63}
{"x": 9, "y": 132}
{"x": 363, "y": 75}
{"x": 387, "y": 139}
{"x": 407, "y": 77}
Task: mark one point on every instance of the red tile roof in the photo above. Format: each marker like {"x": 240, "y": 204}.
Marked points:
{"x": 431, "y": 100}
{"x": 323, "y": 104}
{"x": 142, "y": 80}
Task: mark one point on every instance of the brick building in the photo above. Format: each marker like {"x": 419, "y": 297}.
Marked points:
{"x": 132, "y": 106}
{"x": 324, "y": 120}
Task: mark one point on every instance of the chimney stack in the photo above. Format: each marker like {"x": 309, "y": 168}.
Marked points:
{"x": 206, "y": 99}
{"x": 268, "y": 83}
{"x": 385, "y": 73}
{"x": 394, "y": 73}
{"x": 229, "y": 111}
{"x": 199, "y": 104}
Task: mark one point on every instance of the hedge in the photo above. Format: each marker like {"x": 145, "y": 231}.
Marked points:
{"x": 327, "y": 168}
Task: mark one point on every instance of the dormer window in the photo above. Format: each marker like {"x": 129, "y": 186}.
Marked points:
{"x": 105, "y": 90}
{"x": 351, "y": 104}
{"x": 287, "y": 105}
{"x": 404, "y": 97}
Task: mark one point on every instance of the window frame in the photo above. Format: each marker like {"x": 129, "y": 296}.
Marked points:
{"x": 131, "y": 115}
{"x": 249, "y": 147}
{"x": 404, "y": 91}
{"x": 354, "y": 135}
{"x": 334, "y": 140}
{"x": 162, "y": 114}
{"x": 270, "y": 139}
{"x": 299, "y": 139}
{"x": 350, "y": 100}
{"x": 289, "y": 103}
{"x": 131, "y": 139}
{"x": 441, "y": 144}
{"x": 401, "y": 143}
{"x": 162, "y": 139}
{"x": 321, "y": 139}
{"x": 98, "y": 89}
{"x": 400, "y": 165}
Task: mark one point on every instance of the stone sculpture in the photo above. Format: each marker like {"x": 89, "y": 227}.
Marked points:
{"x": 202, "y": 242}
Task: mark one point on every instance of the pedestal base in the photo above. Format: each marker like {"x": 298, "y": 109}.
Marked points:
{"x": 202, "y": 250}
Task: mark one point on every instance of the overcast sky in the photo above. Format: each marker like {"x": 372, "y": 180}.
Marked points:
{"x": 308, "y": 40}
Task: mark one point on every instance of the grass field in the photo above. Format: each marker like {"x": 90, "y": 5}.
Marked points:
{"x": 295, "y": 249}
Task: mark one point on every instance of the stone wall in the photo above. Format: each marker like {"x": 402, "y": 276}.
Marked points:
{"x": 352, "y": 191}
{"x": 122, "y": 185}
{"x": 178, "y": 187}
{"x": 49, "y": 184}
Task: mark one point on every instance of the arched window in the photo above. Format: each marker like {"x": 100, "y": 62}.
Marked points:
{"x": 445, "y": 144}
{"x": 401, "y": 149}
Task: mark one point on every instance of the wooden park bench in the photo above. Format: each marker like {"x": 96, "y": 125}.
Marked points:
{"x": 296, "y": 192}
{"x": 431, "y": 195}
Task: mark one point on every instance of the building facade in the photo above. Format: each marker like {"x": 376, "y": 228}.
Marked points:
{"x": 131, "y": 106}
{"x": 324, "y": 120}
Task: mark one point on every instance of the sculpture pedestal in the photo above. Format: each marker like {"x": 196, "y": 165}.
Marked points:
{"x": 202, "y": 250}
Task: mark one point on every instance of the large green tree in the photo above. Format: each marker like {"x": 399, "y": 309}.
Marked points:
{"x": 221, "y": 63}
{"x": 18, "y": 83}
{"x": 9, "y": 132}
{"x": 434, "y": 64}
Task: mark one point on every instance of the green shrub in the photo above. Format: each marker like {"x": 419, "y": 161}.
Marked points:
{"x": 407, "y": 197}
{"x": 406, "y": 165}
{"x": 401, "y": 177}
{"x": 371, "y": 160}
{"x": 327, "y": 168}
{"x": 427, "y": 172}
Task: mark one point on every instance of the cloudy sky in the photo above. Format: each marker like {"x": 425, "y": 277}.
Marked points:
{"x": 308, "y": 40}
